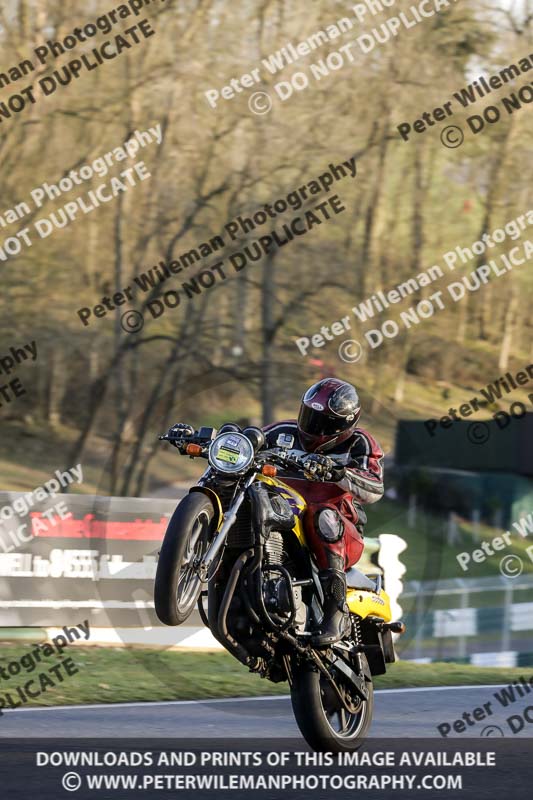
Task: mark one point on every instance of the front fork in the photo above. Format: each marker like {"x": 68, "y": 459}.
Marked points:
{"x": 228, "y": 520}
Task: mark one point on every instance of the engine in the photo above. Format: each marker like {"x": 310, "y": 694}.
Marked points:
{"x": 276, "y": 588}
{"x": 275, "y": 552}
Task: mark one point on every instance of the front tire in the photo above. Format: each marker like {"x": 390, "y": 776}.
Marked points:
{"x": 177, "y": 584}
{"x": 326, "y": 726}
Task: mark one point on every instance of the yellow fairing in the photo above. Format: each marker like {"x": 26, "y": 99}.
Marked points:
{"x": 296, "y": 501}
{"x": 369, "y": 604}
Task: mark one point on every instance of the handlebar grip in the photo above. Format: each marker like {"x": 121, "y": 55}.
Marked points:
{"x": 182, "y": 428}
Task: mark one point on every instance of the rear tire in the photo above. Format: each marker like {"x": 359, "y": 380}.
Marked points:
{"x": 326, "y": 727}
{"x": 177, "y": 586}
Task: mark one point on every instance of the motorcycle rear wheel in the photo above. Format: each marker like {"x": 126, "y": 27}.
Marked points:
{"x": 325, "y": 725}
{"x": 177, "y": 583}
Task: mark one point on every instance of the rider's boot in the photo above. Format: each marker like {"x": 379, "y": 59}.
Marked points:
{"x": 336, "y": 621}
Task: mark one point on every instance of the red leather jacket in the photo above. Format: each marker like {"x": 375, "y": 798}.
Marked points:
{"x": 361, "y": 455}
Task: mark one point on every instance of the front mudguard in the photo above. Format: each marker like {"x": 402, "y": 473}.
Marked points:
{"x": 217, "y": 505}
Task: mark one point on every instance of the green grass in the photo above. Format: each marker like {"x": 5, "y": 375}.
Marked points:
{"x": 119, "y": 675}
{"x": 405, "y": 674}
{"x": 430, "y": 556}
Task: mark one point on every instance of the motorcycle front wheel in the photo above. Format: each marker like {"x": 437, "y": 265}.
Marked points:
{"x": 326, "y": 725}
{"x": 177, "y": 583}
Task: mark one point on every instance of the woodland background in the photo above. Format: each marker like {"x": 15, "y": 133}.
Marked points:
{"x": 100, "y": 396}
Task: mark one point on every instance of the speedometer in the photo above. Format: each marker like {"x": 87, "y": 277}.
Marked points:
{"x": 231, "y": 452}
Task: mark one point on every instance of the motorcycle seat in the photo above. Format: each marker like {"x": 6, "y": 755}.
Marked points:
{"x": 355, "y": 579}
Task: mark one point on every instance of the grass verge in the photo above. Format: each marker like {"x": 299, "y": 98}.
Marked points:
{"x": 119, "y": 675}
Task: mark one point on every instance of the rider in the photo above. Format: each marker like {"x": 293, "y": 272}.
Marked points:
{"x": 327, "y": 431}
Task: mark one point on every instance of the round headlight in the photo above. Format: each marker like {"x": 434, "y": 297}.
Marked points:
{"x": 231, "y": 452}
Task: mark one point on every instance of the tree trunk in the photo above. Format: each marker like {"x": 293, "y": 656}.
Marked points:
{"x": 267, "y": 387}
{"x": 509, "y": 329}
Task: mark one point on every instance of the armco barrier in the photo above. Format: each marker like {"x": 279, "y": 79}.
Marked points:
{"x": 101, "y": 560}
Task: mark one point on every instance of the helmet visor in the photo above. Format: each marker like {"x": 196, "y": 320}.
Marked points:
{"x": 317, "y": 423}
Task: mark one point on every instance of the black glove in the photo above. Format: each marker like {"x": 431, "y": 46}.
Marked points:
{"x": 324, "y": 467}
{"x": 179, "y": 431}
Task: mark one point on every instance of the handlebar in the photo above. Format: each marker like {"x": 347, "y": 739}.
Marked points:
{"x": 177, "y": 432}
{"x": 182, "y": 435}
{"x": 318, "y": 473}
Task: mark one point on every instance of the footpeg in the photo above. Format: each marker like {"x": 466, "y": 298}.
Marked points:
{"x": 394, "y": 627}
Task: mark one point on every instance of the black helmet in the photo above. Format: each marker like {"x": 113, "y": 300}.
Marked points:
{"x": 329, "y": 414}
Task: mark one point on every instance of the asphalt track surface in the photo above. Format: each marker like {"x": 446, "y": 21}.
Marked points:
{"x": 398, "y": 713}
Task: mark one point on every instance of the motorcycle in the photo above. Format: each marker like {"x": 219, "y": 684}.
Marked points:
{"x": 237, "y": 540}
